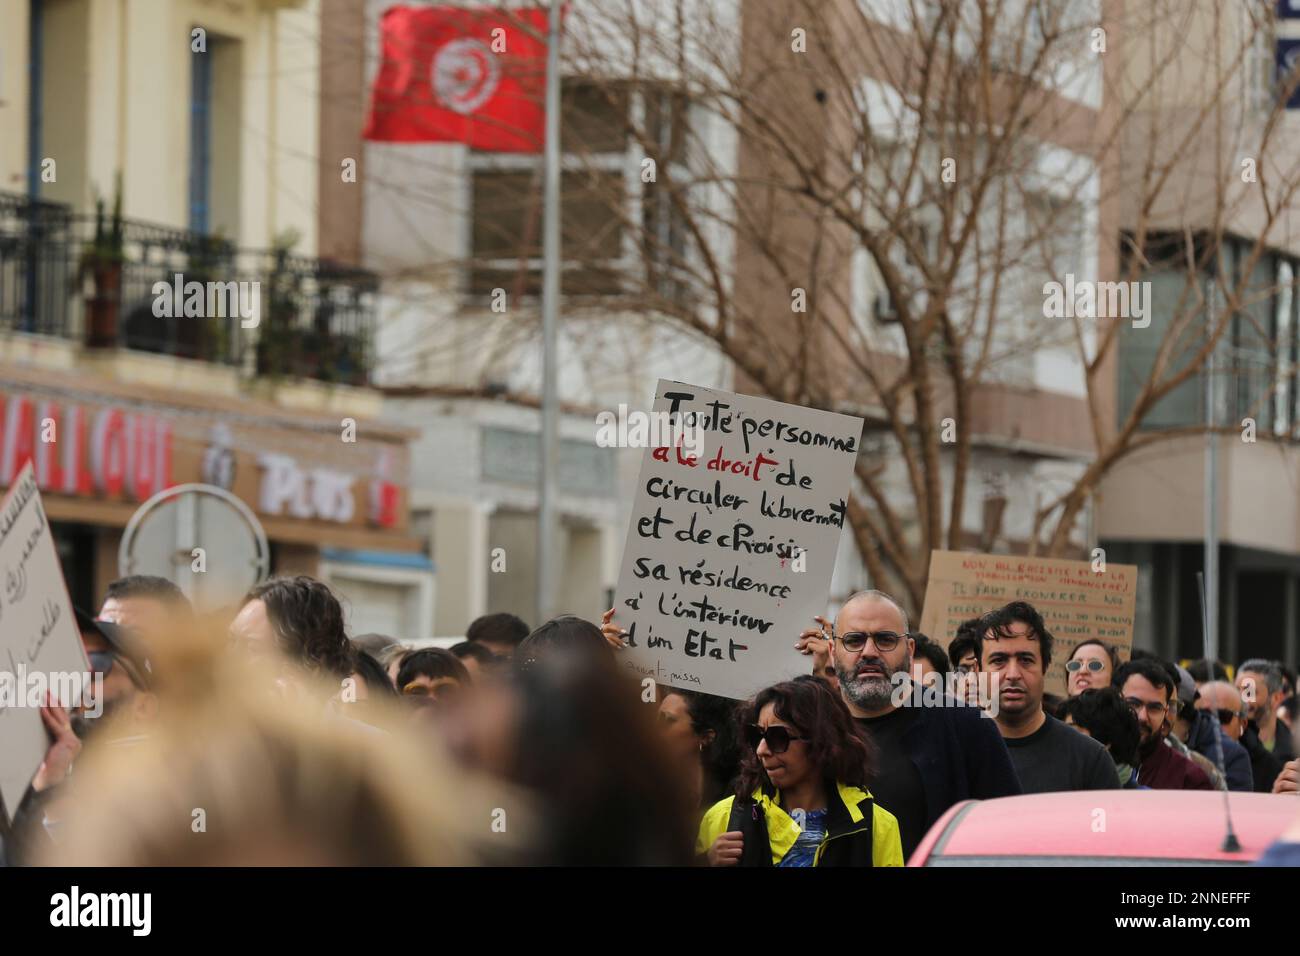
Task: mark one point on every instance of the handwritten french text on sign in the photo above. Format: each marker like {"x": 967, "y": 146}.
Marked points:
{"x": 38, "y": 633}
{"x": 1077, "y": 602}
{"x": 731, "y": 545}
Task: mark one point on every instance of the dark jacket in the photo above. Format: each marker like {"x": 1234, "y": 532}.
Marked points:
{"x": 1166, "y": 769}
{"x": 1206, "y": 737}
{"x": 1264, "y": 766}
{"x": 959, "y": 755}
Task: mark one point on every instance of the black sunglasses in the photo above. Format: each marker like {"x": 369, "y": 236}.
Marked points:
{"x": 101, "y": 662}
{"x": 778, "y": 738}
{"x": 857, "y": 640}
{"x": 1225, "y": 715}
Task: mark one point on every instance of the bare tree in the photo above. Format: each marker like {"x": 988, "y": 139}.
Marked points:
{"x": 908, "y": 178}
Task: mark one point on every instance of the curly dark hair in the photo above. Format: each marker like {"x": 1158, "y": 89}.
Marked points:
{"x": 999, "y": 622}
{"x": 1103, "y": 713}
{"x": 308, "y": 622}
{"x": 837, "y": 748}
{"x": 721, "y": 755}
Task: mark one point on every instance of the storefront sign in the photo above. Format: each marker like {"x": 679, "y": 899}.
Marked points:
{"x": 80, "y": 451}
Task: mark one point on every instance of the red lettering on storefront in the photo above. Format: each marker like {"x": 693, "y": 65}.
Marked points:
{"x": 18, "y": 439}
{"x": 108, "y": 458}
{"x": 49, "y": 461}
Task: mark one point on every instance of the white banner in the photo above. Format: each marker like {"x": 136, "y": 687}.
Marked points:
{"x": 732, "y": 541}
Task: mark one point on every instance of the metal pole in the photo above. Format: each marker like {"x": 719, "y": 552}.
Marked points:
{"x": 1211, "y": 492}
{"x": 547, "y": 531}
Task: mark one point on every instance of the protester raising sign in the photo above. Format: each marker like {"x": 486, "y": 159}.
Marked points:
{"x": 1079, "y": 600}
{"x": 734, "y": 530}
{"x": 40, "y": 647}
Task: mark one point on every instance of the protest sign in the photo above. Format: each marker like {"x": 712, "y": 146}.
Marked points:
{"x": 733, "y": 539}
{"x": 40, "y": 646}
{"x": 1077, "y": 599}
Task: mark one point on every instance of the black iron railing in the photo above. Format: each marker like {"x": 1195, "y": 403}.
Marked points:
{"x": 268, "y": 313}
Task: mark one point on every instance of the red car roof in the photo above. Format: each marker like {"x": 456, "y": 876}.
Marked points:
{"x": 1108, "y": 824}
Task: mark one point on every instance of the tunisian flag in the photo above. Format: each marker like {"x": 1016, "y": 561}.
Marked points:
{"x": 452, "y": 74}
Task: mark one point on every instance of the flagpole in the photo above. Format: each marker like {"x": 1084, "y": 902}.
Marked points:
{"x": 547, "y": 529}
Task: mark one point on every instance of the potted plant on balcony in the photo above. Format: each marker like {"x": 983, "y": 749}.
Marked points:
{"x": 102, "y": 259}
{"x": 280, "y": 345}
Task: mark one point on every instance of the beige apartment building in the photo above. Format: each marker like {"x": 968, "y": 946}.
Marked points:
{"x": 1222, "y": 163}
{"x": 146, "y": 145}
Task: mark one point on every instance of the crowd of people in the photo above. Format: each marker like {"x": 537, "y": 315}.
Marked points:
{"x": 267, "y": 735}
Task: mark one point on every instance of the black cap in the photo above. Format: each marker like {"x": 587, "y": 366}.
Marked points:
{"x": 124, "y": 643}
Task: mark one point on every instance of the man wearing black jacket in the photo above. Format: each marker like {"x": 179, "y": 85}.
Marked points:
{"x": 929, "y": 758}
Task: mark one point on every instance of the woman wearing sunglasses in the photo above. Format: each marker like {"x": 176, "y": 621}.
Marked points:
{"x": 801, "y": 798}
{"x": 1091, "y": 666}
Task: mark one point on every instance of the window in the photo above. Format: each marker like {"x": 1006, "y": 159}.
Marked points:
{"x": 1256, "y": 358}
{"x": 601, "y": 193}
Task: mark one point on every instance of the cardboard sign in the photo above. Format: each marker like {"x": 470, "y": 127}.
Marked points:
{"x": 40, "y": 645}
{"x": 1077, "y": 602}
{"x": 732, "y": 541}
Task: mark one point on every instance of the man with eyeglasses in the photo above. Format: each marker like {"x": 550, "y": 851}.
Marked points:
{"x": 1147, "y": 688}
{"x": 1015, "y": 647}
{"x": 928, "y": 758}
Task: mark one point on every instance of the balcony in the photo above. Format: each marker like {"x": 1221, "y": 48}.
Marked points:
{"x": 315, "y": 319}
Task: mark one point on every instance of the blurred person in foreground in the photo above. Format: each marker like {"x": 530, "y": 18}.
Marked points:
{"x": 700, "y": 732}
{"x": 802, "y": 797}
{"x": 499, "y": 633}
{"x": 571, "y": 730}
{"x": 1102, "y": 714}
{"x": 152, "y": 607}
{"x": 295, "y": 625}
{"x": 239, "y": 777}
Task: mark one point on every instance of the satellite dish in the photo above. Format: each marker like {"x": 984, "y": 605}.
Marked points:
{"x": 202, "y": 538}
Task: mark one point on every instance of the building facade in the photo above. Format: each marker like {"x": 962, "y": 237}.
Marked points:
{"x": 164, "y": 318}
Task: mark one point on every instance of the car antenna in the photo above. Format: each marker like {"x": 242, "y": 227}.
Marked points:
{"x": 1230, "y": 842}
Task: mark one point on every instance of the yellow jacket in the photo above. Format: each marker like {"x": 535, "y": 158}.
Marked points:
{"x": 844, "y": 826}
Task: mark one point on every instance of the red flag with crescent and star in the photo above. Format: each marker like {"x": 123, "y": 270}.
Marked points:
{"x": 463, "y": 75}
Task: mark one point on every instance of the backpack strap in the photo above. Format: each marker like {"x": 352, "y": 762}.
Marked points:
{"x": 747, "y": 817}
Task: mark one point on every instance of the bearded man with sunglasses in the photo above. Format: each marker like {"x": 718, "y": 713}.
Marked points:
{"x": 929, "y": 758}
